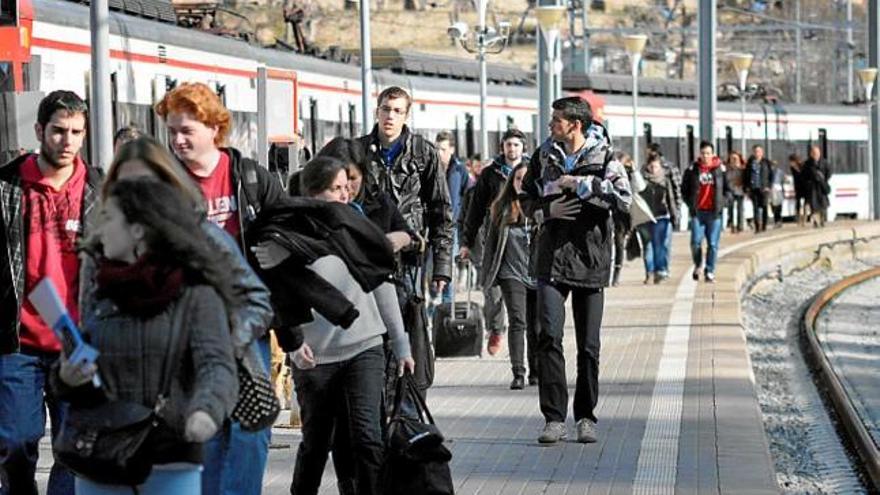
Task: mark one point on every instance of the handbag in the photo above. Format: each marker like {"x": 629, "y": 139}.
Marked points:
{"x": 416, "y": 461}
{"x": 258, "y": 407}
{"x": 106, "y": 443}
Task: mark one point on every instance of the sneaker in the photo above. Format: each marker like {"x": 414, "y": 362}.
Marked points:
{"x": 518, "y": 383}
{"x": 696, "y": 274}
{"x": 660, "y": 277}
{"x": 494, "y": 345}
{"x": 710, "y": 277}
{"x": 554, "y": 431}
{"x": 586, "y": 431}
{"x": 647, "y": 278}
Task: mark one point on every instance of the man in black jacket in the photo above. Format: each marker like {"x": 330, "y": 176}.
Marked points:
{"x": 47, "y": 205}
{"x": 236, "y": 191}
{"x": 757, "y": 180}
{"x": 405, "y": 166}
{"x": 572, "y": 187}
{"x": 489, "y": 183}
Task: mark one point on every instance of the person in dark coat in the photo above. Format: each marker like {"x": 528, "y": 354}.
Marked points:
{"x": 796, "y": 166}
{"x": 817, "y": 174}
{"x": 158, "y": 277}
{"x": 489, "y": 183}
{"x": 757, "y": 181}
{"x": 572, "y": 187}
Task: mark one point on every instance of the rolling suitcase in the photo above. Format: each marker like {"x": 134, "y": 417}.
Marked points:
{"x": 458, "y": 327}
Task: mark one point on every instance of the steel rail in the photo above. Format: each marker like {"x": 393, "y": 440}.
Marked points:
{"x": 852, "y": 423}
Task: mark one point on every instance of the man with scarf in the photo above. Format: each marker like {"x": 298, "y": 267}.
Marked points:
{"x": 406, "y": 167}
{"x": 572, "y": 187}
{"x": 705, "y": 191}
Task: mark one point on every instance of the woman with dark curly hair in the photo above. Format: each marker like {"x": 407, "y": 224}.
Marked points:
{"x": 157, "y": 279}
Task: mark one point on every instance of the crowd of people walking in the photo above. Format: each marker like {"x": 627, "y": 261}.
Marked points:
{"x": 179, "y": 261}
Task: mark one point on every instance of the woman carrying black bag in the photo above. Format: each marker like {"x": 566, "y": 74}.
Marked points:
{"x": 335, "y": 366}
{"x": 160, "y": 296}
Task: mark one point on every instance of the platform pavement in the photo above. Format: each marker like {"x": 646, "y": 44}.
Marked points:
{"x": 677, "y": 409}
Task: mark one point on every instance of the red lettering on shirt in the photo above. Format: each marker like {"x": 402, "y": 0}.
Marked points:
{"x": 220, "y": 200}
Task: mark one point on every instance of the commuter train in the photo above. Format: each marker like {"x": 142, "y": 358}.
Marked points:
{"x": 45, "y": 45}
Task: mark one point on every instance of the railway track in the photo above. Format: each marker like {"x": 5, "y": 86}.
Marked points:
{"x": 832, "y": 383}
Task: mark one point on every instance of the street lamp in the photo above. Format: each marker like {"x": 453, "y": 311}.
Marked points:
{"x": 482, "y": 41}
{"x": 742, "y": 62}
{"x": 868, "y": 77}
{"x": 550, "y": 19}
{"x": 635, "y": 45}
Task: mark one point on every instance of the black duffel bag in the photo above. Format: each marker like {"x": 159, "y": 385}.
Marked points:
{"x": 416, "y": 461}
{"x": 108, "y": 443}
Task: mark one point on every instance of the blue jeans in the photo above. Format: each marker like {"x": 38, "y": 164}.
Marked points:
{"x": 668, "y": 244}
{"x": 705, "y": 224}
{"x": 660, "y": 234}
{"x": 179, "y": 479}
{"x": 235, "y": 459}
{"x": 24, "y": 398}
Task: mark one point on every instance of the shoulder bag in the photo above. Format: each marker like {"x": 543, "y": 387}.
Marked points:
{"x": 416, "y": 461}
{"x": 106, "y": 443}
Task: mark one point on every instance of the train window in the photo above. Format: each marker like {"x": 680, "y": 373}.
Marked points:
{"x": 7, "y": 81}
{"x": 7, "y": 12}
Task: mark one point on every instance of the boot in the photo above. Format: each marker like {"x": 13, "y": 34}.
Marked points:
{"x": 615, "y": 279}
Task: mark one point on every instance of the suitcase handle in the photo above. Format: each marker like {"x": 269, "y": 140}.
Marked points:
{"x": 467, "y": 266}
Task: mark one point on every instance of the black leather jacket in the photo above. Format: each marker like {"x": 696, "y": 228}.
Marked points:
{"x": 416, "y": 183}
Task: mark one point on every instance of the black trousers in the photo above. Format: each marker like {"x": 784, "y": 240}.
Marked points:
{"x": 735, "y": 213}
{"x": 759, "y": 209}
{"x": 587, "y": 306}
{"x": 522, "y": 318}
{"x": 356, "y": 386}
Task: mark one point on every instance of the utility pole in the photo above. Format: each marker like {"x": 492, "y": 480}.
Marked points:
{"x": 850, "y": 47}
{"x": 100, "y": 113}
{"x": 797, "y": 46}
{"x": 706, "y": 67}
{"x": 586, "y": 34}
{"x": 366, "y": 67}
{"x": 874, "y": 124}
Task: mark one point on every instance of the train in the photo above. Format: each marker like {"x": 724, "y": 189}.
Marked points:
{"x": 45, "y": 45}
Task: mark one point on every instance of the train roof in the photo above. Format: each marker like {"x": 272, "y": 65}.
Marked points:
{"x": 75, "y": 13}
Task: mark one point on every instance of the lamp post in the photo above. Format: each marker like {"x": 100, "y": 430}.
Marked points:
{"x": 742, "y": 62}
{"x": 484, "y": 40}
{"x": 635, "y": 45}
{"x": 868, "y": 77}
{"x": 550, "y": 19}
{"x": 366, "y": 68}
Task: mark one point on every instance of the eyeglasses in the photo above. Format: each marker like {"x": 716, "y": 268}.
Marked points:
{"x": 397, "y": 112}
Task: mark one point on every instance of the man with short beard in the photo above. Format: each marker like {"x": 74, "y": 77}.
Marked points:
{"x": 489, "y": 184}
{"x": 47, "y": 204}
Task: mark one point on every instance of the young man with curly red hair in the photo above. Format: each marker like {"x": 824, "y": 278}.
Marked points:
{"x": 236, "y": 190}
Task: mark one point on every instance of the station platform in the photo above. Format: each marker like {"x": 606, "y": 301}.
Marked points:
{"x": 677, "y": 410}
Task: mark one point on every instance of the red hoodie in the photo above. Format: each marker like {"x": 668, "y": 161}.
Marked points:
{"x": 706, "y": 193}
{"x": 53, "y": 227}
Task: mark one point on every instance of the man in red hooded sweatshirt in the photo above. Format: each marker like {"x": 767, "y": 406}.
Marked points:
{"x": 705, "y": 190}
{"x": 48, "y": 202}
